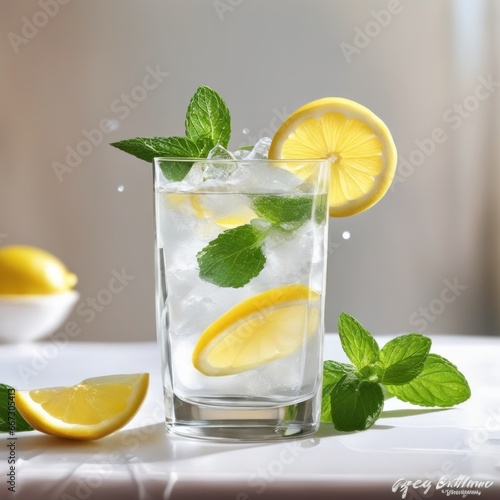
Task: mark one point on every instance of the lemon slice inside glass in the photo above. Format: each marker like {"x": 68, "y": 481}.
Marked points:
{"x": 258, "y": 330}
{"x": 91, "y": 409}
{"x": 193, "y": 205}
{"x": 358, "y": 144}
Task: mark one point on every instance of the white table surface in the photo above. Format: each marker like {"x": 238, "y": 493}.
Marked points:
{"x": 142, "y": 462}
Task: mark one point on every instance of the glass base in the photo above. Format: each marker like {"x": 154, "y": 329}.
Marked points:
{"x": 238, "y": 424}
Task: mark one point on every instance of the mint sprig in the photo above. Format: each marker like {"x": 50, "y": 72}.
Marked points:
{"x": 207, "y": 124}
{"x": 236, "y": 256}
{"x": 353, "y": 395}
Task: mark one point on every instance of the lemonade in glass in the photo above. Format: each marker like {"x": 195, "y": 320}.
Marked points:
{"x": 241, "y": 260}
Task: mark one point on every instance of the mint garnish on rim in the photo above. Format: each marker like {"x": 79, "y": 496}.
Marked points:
{"x": 353, "y": 396}
{"x": 236, "y": 256}
{"x": 208, "y": 123}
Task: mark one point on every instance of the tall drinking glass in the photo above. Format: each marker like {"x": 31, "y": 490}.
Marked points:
{"x": 240, "y": 287}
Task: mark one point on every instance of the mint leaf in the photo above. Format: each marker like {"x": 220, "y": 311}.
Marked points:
{"x": 320, "y": 208}
{"x": 290, "y": 212}
{"x": 438, "y": 384}
{"x": 208, "y": 117}
{"x": 359, "y": 345}
{"x": 332, "y": 374}
{"x": 356, "y": 404}
{"x": 233, "y": 258}
{"x": 334, "y": 371}
{"x": 10, "y": 419}
{"x": 208, "y": 123}
{"x": 404, "y": 357}
{"x": 175, "y": 170}
{"x": 148, "y": 148}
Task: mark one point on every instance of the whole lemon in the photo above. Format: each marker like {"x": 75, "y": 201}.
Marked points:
{"x": 26, "y": 270}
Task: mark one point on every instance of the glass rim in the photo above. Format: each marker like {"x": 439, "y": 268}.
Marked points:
{"x": 158, "y": 159}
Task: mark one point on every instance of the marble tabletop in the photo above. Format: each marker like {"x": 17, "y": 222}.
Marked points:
{"x": 409, "y": 453}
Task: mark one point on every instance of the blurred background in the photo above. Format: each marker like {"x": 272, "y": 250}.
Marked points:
{"x": 73, "y": 79}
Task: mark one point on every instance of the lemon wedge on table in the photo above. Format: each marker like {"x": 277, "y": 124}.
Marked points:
{"x": 91, "y": 409}
{"x": 358, "y": 144}
{"x": 27, "y": 270}
{"x": 258, "y": 330}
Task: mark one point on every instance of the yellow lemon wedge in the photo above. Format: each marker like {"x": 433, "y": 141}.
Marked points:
{"x": 91, "y": 409}
{"x": 27, "y": 270}
{"x": 258, "y": 330}
{"x": 358, "y": 144}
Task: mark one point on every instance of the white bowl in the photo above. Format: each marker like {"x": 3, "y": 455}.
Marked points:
{"x": 24, "y": 318}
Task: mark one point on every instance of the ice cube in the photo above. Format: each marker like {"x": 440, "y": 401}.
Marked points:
{"x": 219, "y": 151}
{"x": 194, "y": 178}
{"x": 241, "y": 154}
{"x": 262, "y": 178}
{"x": 206, "y": 175}
{"x": 261, "y": 225}
{"x": 288, "y": 256}
{"x": 185, "y": 375}
{"x": 260, "y": 150}
{"x": 222, "y": 170}
{"x": 230, "y": 176}
{"x": 189, "y": 300}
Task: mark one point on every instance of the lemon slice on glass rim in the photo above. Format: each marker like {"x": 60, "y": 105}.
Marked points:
{"x": 358, "y": 144}
{"x": 91, "y": 409}
{"x": 265, "y": 327}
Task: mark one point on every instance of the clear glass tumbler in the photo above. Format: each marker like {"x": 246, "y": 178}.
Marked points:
{"x": 240, "y": 286}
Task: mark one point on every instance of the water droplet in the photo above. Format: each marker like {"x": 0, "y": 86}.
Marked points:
{"x": 246, "y": 131}
{"x": 346, "y": 235}
{"x": 120, "y": 188}
{"x": 110, "y": 125}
